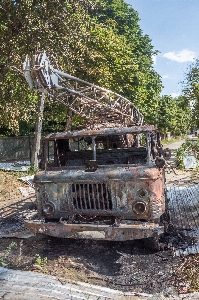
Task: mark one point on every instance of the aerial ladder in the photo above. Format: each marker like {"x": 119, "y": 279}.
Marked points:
{"x": 98, "y": 106}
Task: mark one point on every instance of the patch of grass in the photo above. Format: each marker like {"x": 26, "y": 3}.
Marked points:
{"x": 40, "y": 263}
{"x": 3, "y": 258}
{"x": 172, "y": 140}
{"x": 17, "y": 174}
{"x": 31, "y": 171}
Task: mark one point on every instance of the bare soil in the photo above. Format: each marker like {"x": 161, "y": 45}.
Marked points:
{"x": 9, "y": 192}
{"x": 127, "y": 266}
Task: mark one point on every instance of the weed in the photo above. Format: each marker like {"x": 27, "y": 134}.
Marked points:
{"x": 171, "y": 140}
{"x": 32, "y": 170}
{"x": 40, "y": 263}
{"x": 5, "y": 254}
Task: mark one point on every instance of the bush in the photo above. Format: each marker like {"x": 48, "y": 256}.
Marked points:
{"x": 187, "y": 148}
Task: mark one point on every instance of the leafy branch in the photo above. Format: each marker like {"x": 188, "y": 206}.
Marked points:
{"x": 187, "y": 148}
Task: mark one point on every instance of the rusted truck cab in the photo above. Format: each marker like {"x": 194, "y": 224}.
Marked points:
{"x": 101, "y": 184}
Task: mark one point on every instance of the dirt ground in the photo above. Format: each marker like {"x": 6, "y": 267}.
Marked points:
{"x": 127, "y": 266}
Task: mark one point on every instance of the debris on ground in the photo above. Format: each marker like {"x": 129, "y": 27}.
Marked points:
{"x": 19, "y": 166}
{"x": 26, "y": 191}
{"x": 187, "y": 274}
{"x": 27, "y": 179}
{"x": 127, "y": 266}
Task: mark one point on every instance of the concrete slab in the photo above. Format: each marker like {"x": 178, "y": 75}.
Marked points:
{"x": 15, "y": 284}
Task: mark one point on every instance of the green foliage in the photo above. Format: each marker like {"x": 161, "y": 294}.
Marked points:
{"x": 40, "y": 263}
{"x": 3, "y": 257}
{"x": 100, "y": 41}
{"x": 171, "y": 140}
{"x": 187, "y": 148}
{"x": 129, "y": 58}
{"x": 54, "y": 26}
{"x": 173, "y": 115}
{"x": 191, "y": 89}
{"x": 32, "y": 170}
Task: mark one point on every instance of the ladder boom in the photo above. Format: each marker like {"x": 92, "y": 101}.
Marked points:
{"x": 96, "y": 104}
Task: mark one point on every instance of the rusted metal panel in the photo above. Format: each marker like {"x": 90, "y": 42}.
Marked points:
{"x": 103, "y": 173}
{"x": 109, "y": 192}
{"x": 127, "y": 194}
{"x": 102, "y": 132}
{"x": 110, "y": 188}
{"x": 87, "y": 231}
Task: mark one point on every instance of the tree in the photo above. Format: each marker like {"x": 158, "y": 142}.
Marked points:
{"x": 173, "y": 115}
{"x": 59, "y": 25}
{"x": 139, "y": 81}
{"x": 56, "y": 26}
{"x": 99, "y": 41}
{"x": 191, "y": 89}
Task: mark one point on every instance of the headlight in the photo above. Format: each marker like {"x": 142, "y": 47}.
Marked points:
{"x": 48, "y": 208}
{"x": 139, "y": 207}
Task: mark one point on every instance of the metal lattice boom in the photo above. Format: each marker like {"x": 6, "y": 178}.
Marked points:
{"x": 96, "y": 104}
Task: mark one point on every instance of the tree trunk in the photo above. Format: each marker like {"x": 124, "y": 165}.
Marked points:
{"x": 38, "y": 129}
{"x": 69, "y": 120}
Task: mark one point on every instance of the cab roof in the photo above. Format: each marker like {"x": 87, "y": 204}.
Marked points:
{"x": 100, "y": 132}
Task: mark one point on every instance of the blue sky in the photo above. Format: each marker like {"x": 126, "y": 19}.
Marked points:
{"x": 173, "y": 27}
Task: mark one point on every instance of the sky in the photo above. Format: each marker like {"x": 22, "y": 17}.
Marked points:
{"x": 173, "y": 27}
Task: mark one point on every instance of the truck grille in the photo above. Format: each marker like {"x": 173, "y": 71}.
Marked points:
{"x": 95, "y": 196}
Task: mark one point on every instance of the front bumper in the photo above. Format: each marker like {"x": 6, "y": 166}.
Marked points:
{"x": 123, "y": 232}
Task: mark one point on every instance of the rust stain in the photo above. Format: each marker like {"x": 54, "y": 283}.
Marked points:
{"x": 100, "y": 178}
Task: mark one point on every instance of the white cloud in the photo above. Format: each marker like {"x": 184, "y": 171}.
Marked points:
{"x": 165, "y": 76}
{"x": 181, "y": 56}
{"x": 174, "y": 95}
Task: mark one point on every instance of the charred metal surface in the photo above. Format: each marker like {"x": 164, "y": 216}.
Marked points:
{"x": 166, "y": 153}
{"x": 119, "y": 195}
{"x": 122, "y": 232}
{"x": 91, "y": 165}
{"x": 160, "y": 162}
{"x": 108, "y": 191}
{"x": 101, "y": 132}
{"x": 104, "y": 174}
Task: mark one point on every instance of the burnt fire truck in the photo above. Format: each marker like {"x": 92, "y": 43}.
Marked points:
{"x": 105, "y": 180}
